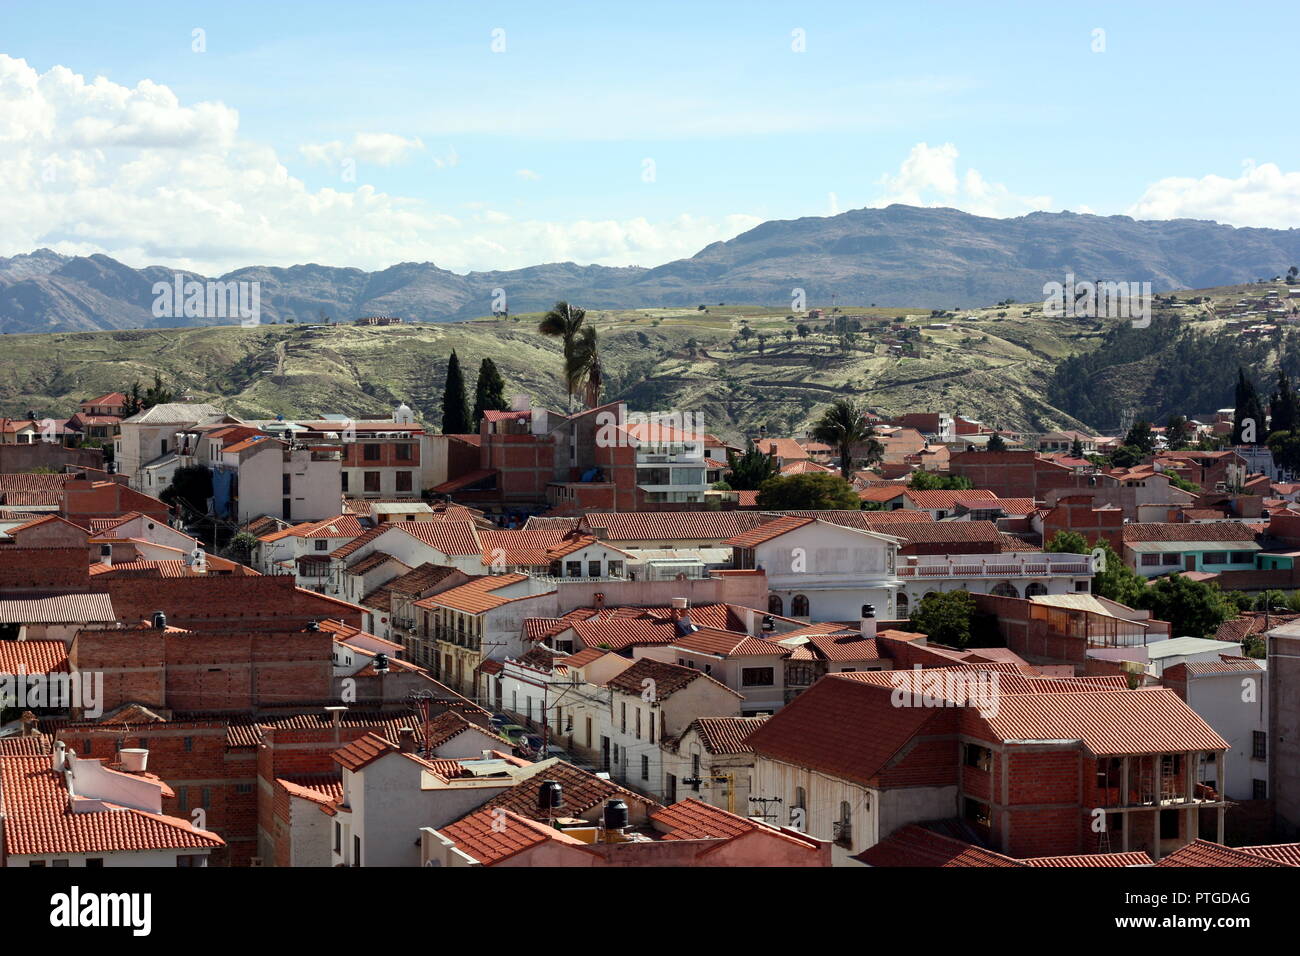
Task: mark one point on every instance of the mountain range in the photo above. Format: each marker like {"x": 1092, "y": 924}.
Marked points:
{"x": 895, "y": 256}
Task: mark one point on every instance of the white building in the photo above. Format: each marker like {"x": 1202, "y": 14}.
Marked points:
{"x": 1231, "y": 695}
{"x": 269, "y": 477}
{"x": 59, "y": 810}
{"x": 149, "y": 437}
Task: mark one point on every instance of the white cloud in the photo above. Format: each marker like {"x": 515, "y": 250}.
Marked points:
{"x": 132, "y": 172}
{"x": 1262, "y": 195}
{"x": 381, "y": 149}
{"x": 929, "y": 177}
{"x": 528, "y": 174}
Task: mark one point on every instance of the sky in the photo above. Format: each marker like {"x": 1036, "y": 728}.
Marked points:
{"x": 484, "y": 136}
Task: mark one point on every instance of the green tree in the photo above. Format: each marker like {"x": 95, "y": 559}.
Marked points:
{"x": 817, "y": 491}
{"x": 996, "y": 443}
{"x": 1178, "y": 481}
{"x": 1116, "y": 580}
{"x": 929, "y": 481}
{"x": 1248, "y": 409}
{"x": 1068, "y": 542}
{"x": 1177, "y": 432}
{"x": 844, "y": 425}
{"x": 191, "y": 488}
{"x": 1192, "y": 608}
{"x": 945, "y": 617}
{"x": 750, "y": 470}
{"x": 586, "y": 371}
{"x": 803, "y": 330}
{"x": 1285, "y": 407}
{"x": 564, "y": 322}
{"x": 455, "y": 407}
{"x": 1126, "y": 456}
{"x": 1141, "y": 437}
{"x": 489, "y": 392}
{"x": 1076, "y": 449}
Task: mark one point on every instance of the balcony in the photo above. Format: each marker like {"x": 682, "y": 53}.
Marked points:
{"x": 994, "y": 566}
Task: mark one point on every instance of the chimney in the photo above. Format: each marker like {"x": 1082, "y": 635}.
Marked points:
{"x": 599, "y": 599}
{"x": 868, "y": 626}
{"x": 29, "y": 723}
{"x": 56, "y": 759}
{"x": 406, "y": 740}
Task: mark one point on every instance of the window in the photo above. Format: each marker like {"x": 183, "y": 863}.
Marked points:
{"x": 371, "y": 480}
{"x": 695, "y": 771}
{"x": 403, "y": 481}
{"x": 593, "y": 569}
{"x": 322, "y": 544}
{"x": 183, "y": 798}
{"x": 615, "y": 569}
{"x": 370, "y": 452}
{"x": 345, "y": 481}
{"x": 207, "y": 797}
{"x": 244, "y": 788}
{"x": 981, "y": 758}
{"x": 800, "y": 798}
{"x": 902, "y": 604}
{"x": 1150, "y": 560}
{"x": 1172, "y": 559}
{"x": 189, "y": 744}
{"x": 645, "y": 767}
{"x": 775, "y": 605}
{"x": 623, "y": 716}
{"x": 573, "y": 569}
{"x": 1259, "y": 745}
{"x": 285, "y": 485}
{"x": 356, "y": 851}
{"x": 844, "y": 825}
{"x": 638, "y": 723}
{"x": 1216, "y": 557}
{"x": 1243, "y": 557}
{"x": 798, "y": 606}
{"x": 95, "y": 862}
{"x": 58, "y": 863}
{"x": 36, "y": 863}
{"x": 757, "y": 677}
{"x": 403, "y": 452}
{"x": 977, "y": 813}
{"x": 1260, "y": 789}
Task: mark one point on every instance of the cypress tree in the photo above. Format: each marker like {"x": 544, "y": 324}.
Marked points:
{"x": 1247, "y": 408}
{"x": 490, "y": 392}
{"x": 455, "y": 408}
{"x": 1285, "y": 406}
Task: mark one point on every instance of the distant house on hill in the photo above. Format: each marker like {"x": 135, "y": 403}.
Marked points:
{"x": 379, "y": 320}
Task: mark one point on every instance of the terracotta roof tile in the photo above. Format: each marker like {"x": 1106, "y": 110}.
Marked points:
{"x": 1200, "y": 853}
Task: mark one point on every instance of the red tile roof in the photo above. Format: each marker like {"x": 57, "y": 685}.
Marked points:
{"x": 491, "y": 836}
{"x": 672, "y": 525}
{"x": 478, "y": 595}
{"x": 766, "y": 532}
{"x": 1114, "y": 723}
{"x": 937, "y": 499}
{"x": 452, "y": 538}
{"x": 1211, "y": 531}
{"x": 1200, "y": 853}
{"x": 40, "y": 820}
{"x": 724, "y": 735}
{"x": 915, "y": 845}
{"x": 668, "y": 679}
{"x": 1281, "y": 852}
{"x": 33, "y": 657}
{"x": 581, "y": 790}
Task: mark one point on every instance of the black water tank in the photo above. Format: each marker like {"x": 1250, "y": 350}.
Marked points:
{"x": 159, "y": 620}
{"x": 868, "y": 610}
{"x": 381, "y": 663}
{"x": 550, "y": 796}
{"x": 616, "y": 815}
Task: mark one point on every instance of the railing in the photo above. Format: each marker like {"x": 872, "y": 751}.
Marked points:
{"x": 968, "y": 569}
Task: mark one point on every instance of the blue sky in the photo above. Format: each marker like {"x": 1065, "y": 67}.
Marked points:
{"x": 365, "y": 134}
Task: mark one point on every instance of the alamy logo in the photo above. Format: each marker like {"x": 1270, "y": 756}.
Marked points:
{"x": 945, "y": 687}
{"x": 652, "y": 430}
{"x": 192, "y": 299}
{"x": 76, "y": 909}
{"x": 1098, "y": 300}
{"x": 83, "y": 690}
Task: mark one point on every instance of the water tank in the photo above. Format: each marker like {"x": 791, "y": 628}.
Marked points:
{"x": 616, "y": 815}
{"x": 134, "y": 759}
{"x": 381, "y": 663}
{"x": 550, "y": 796}
{"x": 868, "y": 610}
{"x": 159, "y": 620}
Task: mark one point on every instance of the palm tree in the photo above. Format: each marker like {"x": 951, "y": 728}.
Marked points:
{"x": 564, "y": 322}
{"x": 585, "y": 366}
{"x": 844, "y": 425}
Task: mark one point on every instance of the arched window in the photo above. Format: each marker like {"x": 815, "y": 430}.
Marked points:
{"x": 1006, "y": 589}
{"x": 775, "y": 605}
{"x": 798, "y": 606}
{"x": 903, "y": 605}
{"x": 1035, "y": 587}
